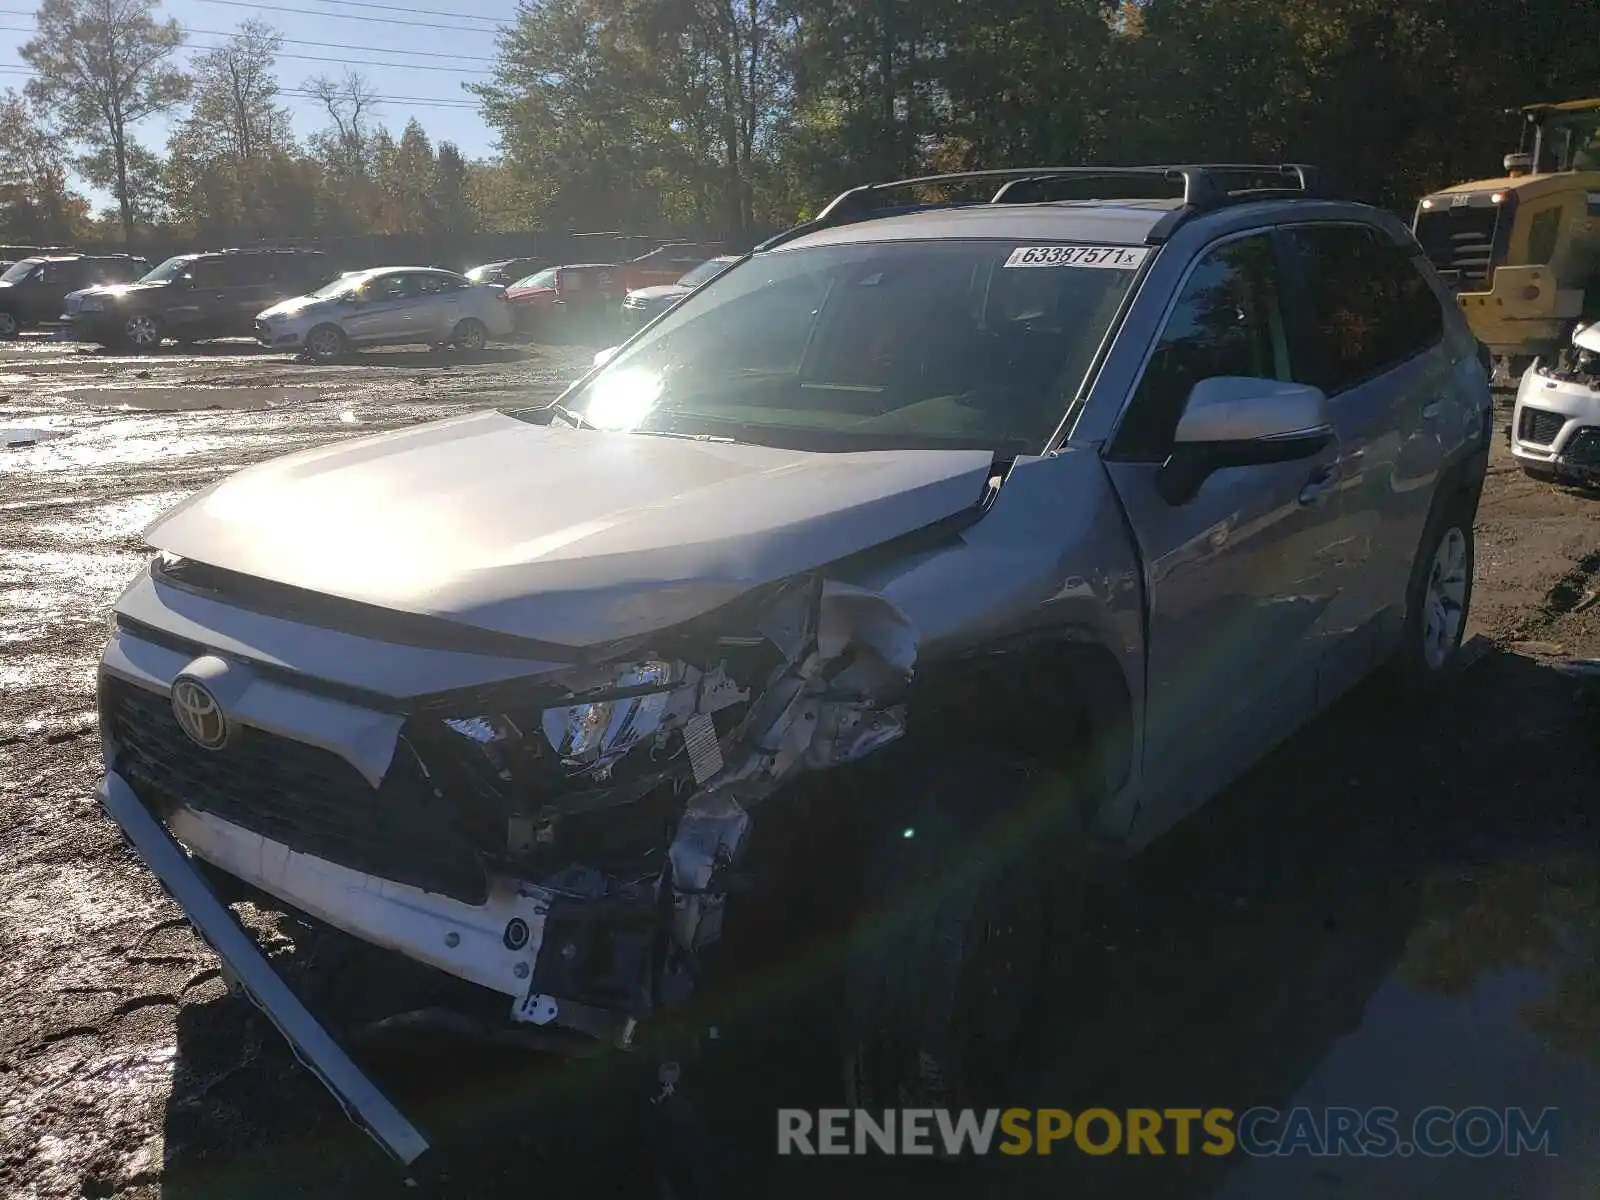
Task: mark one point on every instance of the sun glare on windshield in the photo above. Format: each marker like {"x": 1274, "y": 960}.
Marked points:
{"x": 621, "y": 400}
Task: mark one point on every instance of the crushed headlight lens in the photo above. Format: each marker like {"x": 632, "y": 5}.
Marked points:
{"x": 585, "y": 733}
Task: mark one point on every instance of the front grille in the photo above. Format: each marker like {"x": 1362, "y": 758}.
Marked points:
{"x": 1460, "y": 240}
{"x": 1539, "y": 428}
{"x": 1583, "y": 449}
{"x": 307, "y": 798}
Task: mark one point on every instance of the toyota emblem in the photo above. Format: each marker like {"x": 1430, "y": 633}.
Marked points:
{"x": 199, "y": 715}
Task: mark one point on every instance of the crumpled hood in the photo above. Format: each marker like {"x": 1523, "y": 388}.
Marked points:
{"x": 571, "y": 536}
{"x": 1587, "y": 337}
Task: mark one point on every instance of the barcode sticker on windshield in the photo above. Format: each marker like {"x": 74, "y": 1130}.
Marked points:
{"x": 1115, "y": 258}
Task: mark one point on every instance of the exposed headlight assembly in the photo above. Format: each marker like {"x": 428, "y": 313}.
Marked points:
{"x": 585, "y": 734}
{"x": 634, "y": 707}
{"x": 92, "y": 304}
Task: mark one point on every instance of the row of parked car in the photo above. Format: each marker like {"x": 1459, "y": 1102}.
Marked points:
{"x": 293, "y": 299}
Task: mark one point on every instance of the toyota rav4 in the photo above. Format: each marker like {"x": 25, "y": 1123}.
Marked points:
{"x": 913, "y": 557}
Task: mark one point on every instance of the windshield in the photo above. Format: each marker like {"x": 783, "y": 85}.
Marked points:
{"x": 706, "y": 272}
{"x": 341, "y": 285}
{"x": 542, "y": 279}
{"x": 897, "y": 344}
{"x": 1576, "y": 140}
{"x": 21, "y": 271}
{"x": 167, "y": 271}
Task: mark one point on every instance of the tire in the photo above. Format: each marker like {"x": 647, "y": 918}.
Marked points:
{"x": 9, "y": 325}
{"x": 967, "y": 899}
{"x": 1438, "y": 601}
{"x": 142, "y": 333}
{"x": 470, "y": 336}
{"x": 326, "y": 343}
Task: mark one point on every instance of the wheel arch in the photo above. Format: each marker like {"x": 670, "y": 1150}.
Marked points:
{"x": 1062, "y": 691}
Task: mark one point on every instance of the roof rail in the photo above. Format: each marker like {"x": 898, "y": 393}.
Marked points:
{"x": 1205, "y": 187}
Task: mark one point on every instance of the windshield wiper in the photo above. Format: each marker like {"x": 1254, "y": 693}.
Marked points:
{"x": 576, "y": 420}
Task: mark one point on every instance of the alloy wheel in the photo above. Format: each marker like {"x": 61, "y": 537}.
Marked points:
{"x": 143, "y": 332}
{"x": 324, "y": 343}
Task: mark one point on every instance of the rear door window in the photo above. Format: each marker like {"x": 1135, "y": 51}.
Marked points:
{"x": 209, "y": 273}
{"x": 1370, "y": 308}
{"x": 68, "y": 274}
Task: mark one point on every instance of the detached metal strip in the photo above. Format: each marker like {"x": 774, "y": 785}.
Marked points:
{"x": 360, "y": 1098}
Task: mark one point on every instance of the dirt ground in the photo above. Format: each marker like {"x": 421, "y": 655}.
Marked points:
{"x": 1395, "y": 909}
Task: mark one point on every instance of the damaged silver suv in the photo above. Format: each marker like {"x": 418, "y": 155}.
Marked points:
{"x": 920, "y": 552}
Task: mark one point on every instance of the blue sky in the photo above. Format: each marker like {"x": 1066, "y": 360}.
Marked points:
{"x": 412, "y": 50}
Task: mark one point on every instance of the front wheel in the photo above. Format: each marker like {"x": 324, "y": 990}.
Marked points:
{"x": 9, "y": 325}
{"x": 969, "y": 898}
{"x": 1437, "y": 601}
{"x": 326, "y": 343}
{"x": 142, "y": 332}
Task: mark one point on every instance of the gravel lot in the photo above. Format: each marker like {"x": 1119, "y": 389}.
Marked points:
{"x": 1393, "y": 910}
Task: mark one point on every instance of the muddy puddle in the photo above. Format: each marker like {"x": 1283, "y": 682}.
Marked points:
{"x": 20, "y": 437}
{"x": 186, "y": 399}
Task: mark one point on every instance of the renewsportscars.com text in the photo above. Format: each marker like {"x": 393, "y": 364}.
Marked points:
{"x": 1476, "y": 1132}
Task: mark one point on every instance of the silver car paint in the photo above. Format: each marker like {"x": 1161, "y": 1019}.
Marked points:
{"x": 576, "y": 537}
{"x": 412, "y": 319}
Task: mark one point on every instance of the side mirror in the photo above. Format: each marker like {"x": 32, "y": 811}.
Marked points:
{"x": 1242, "y": 421}
{"x": 602, "y": 357}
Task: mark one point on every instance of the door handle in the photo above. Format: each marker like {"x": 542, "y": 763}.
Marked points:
{"x": 1320, "y": 485}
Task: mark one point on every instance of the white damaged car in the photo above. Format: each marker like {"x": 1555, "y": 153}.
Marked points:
{"x": 875, "y": 582}
{"x": 1555, "y": 426}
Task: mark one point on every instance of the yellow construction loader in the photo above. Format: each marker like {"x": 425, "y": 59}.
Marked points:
{"x": 1522, "y": 252}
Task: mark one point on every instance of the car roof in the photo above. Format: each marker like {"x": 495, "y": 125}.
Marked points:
{"x": 397, "y": 270}
{"x": 1115, "y": 222}
{"x": 585, "y": 267}
{"x": 50, "y": 258}
{"x": 1126, "y": 222}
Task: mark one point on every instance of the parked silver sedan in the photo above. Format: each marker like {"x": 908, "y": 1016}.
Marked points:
{"x": 387, "y": 306}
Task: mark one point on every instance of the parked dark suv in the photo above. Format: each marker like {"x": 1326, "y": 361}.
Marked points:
{"x": 31, "y": 291}
{"x": 193, "y": 297}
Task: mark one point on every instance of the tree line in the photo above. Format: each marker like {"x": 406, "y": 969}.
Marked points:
{"x": 730, "y": 117}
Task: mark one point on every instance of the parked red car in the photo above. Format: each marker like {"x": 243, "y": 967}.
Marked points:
{"x": 577, "y": 290}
